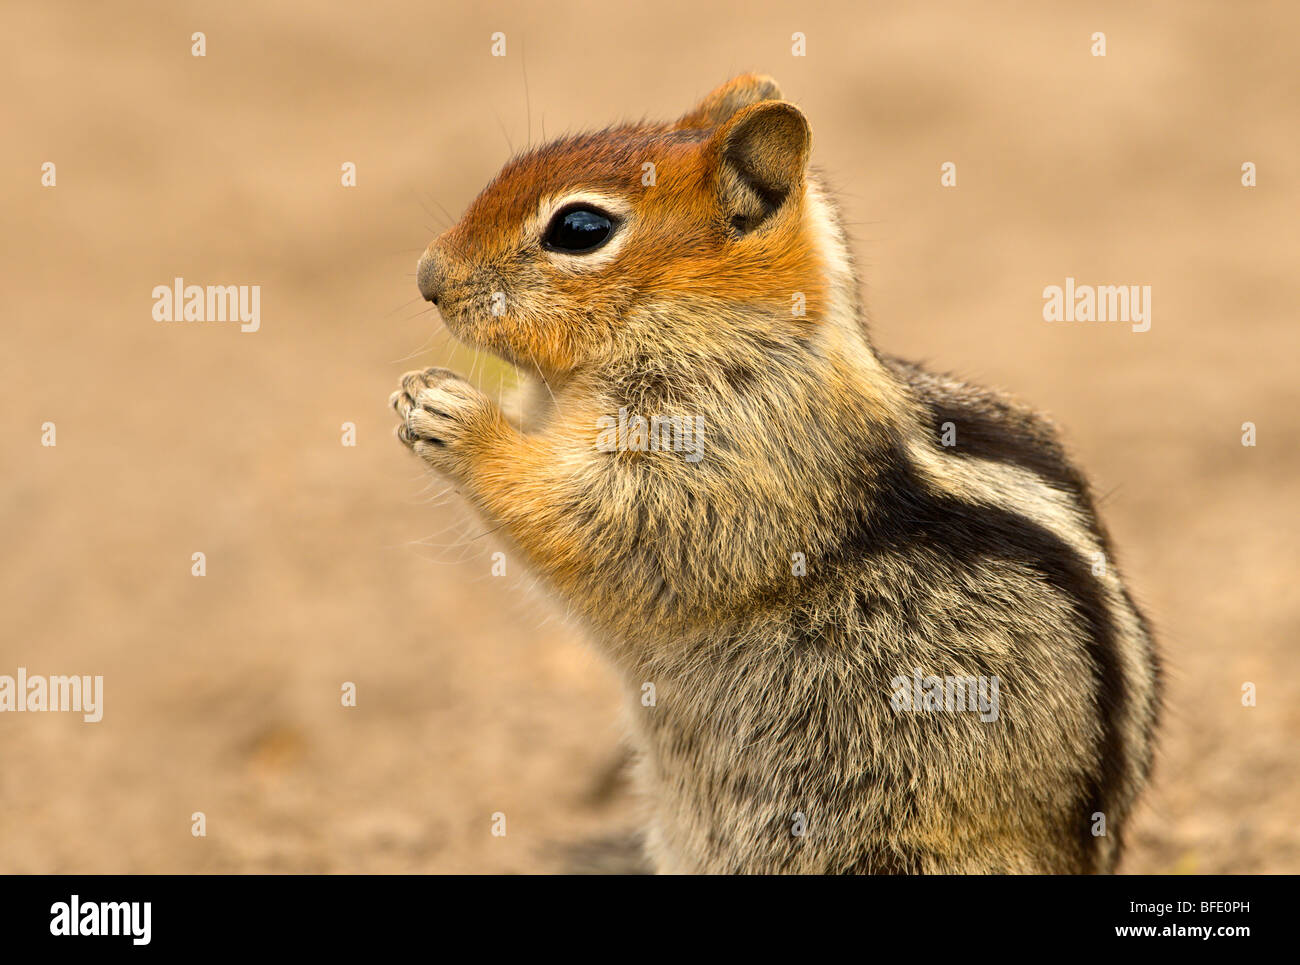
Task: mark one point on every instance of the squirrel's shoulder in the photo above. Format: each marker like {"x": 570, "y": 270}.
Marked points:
{"x": 991, "y": 425}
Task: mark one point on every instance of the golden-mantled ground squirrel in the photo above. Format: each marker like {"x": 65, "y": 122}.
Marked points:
{"x": 866, "y": 616}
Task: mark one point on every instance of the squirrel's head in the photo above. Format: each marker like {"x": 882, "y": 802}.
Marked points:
{"x": 591, "y": 246}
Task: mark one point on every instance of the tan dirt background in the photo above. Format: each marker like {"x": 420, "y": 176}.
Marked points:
{"x": 329, "y": 564}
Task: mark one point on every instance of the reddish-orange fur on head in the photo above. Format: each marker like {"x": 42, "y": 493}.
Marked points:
{"x": 712, "y": 210}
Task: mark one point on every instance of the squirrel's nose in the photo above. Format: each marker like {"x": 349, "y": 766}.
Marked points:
{"x": 429, "y": 275}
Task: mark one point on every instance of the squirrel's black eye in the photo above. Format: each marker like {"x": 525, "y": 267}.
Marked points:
{"x": 578, "y": 230}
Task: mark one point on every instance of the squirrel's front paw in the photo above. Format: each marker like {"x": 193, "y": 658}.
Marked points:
{"x": 443, "y": 417}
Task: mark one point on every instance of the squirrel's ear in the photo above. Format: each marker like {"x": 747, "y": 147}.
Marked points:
{"x": 736, "y": 93}
{"x": 763, "y": 154}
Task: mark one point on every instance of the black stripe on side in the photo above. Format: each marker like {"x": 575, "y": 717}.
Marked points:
{"x": 902, "y": 516}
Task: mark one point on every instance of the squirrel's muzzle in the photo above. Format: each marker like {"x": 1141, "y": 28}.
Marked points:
{"x": 430, "y": 274}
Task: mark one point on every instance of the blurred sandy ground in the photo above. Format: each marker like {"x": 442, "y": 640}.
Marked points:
{"x": 329, "y": 564}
